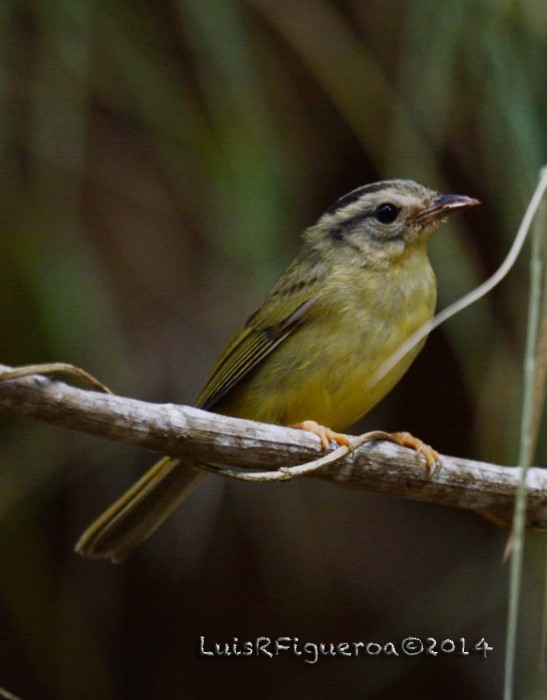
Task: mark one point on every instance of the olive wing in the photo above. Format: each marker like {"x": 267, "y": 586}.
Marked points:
{"x": 262, "y": 333}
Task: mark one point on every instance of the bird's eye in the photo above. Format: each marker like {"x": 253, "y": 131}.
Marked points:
{"x": 386, "y": 213}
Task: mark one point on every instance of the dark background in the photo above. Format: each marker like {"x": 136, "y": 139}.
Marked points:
{"x": 157, "y": 163}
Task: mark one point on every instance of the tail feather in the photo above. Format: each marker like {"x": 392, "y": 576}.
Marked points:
{"x": 141, "y": 509}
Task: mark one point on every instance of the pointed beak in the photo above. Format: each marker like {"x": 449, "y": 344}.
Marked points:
{"x": 443, "y": 205}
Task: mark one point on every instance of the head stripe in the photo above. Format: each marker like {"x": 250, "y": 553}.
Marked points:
{"x": 355, "y": 195}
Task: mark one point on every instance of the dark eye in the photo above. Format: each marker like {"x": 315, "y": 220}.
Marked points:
{"x": 386, "y": 213}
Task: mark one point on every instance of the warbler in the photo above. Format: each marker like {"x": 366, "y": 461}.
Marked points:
{"x": 360, "y": 286}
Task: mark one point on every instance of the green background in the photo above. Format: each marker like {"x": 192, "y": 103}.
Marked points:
{"x": 157, "y": 163}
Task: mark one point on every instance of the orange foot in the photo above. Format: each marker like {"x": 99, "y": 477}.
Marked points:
{"x": 324, "y": 434}
{"x": 431, "y": 456}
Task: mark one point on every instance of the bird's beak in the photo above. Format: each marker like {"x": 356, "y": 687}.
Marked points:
{"x": 443, "y": 205}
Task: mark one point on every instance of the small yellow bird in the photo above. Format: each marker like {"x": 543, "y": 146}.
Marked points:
{"x": 360, "y": 286}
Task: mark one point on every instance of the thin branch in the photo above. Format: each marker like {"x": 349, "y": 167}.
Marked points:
{"x": 534, "y": 393}
{"x": 198, "y": 436}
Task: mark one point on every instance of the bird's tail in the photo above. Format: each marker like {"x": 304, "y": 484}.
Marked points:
{"x": 141, "y": 509}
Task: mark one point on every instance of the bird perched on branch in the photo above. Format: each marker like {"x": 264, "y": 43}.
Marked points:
{"x": 359, "y": 288}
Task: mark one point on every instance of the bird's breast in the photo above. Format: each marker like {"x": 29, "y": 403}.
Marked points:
{"x": 323, "y": 371}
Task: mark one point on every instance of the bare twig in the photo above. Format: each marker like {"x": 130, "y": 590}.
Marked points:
{"x": 195, "y": 435}
{"x": 55, "y": 368}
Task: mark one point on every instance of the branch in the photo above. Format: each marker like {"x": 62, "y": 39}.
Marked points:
{"x": 198, "y": 436}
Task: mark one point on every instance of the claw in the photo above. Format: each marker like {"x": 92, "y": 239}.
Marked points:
{"x": 430, "y": 455}
{"x": 323, "y": 433}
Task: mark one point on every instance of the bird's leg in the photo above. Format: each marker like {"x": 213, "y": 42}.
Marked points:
{"x": 430, "y": 455}
{"x": 323, "y": 433}
{"x": 404, "y": 439}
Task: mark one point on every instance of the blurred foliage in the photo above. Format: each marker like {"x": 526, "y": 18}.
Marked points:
{"x": 157, "y": 160}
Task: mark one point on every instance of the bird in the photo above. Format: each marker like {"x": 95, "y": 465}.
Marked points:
{"x": 360, "y": 286}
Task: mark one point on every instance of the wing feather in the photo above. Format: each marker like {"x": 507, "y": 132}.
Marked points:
{"x": 260, "y": 336}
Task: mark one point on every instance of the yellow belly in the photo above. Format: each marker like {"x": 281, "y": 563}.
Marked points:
{"x": 323, "y": 371}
